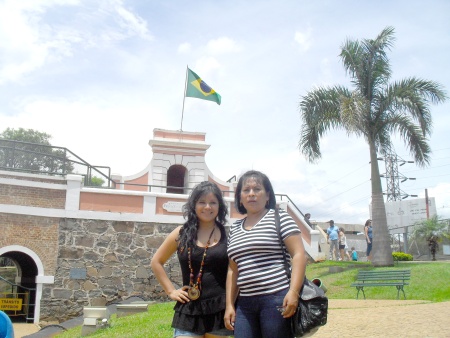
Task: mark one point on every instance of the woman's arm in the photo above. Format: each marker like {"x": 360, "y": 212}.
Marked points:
{"x": 161, "y": 256}
{"x": 231, "y": 295}
{"x": 294, "y": 244}
{"x": 366, "y": 233}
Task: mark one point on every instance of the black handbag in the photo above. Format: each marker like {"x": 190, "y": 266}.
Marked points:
{"x": 312, "y": 307}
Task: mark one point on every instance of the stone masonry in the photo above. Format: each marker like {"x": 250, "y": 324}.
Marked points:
{"x": 103, "y": 262}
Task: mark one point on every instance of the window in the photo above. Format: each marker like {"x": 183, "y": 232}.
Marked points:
{"x": 175, "y": 179}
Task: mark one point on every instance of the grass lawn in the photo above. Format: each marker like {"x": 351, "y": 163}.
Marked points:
{"x": 429, "y": 281}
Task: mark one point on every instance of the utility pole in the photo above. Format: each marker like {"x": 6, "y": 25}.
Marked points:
{"x": 393, "y": 177}
{"x": 393, "y": 180}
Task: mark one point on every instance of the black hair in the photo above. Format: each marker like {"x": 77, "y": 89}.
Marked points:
{"x": 188, "y": 233}
{"x": 368, "y": 223}
{"x": 261, "y": 179}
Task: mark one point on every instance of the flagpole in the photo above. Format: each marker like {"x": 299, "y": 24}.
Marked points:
{"x": 184, "y": 98}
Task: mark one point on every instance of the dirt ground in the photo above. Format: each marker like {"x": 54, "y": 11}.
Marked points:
{"x": 366, "y": 318}
{"x": 386, "y": 318}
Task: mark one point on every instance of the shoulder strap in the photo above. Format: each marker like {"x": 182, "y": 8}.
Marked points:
{"x": 278, "y": 227}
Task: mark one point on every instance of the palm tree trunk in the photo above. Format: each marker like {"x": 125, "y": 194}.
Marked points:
{"x": 381, "y": 247}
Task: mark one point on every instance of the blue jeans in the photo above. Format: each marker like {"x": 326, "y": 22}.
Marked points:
{"x": 258, "y": 317}
{"x": 369, "y": 248}
{"x": 223, "y": 332}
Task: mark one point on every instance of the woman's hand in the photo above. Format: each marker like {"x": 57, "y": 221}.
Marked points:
{"x": 180, "y": 295}
{"x": 290, "y": 303}
{"x": 230, "y": 317}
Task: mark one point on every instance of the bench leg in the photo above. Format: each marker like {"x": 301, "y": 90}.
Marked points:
{"x": 400, "y": 287}
{"x": 360, "y": 288}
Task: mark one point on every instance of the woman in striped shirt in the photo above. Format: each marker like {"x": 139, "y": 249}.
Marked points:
{"x": 258, "y": 288}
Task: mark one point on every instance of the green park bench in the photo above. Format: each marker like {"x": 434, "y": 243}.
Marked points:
{"x": 368, "y": 278}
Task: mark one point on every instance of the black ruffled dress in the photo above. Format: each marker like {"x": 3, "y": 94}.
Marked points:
{"x": 206, "y": 313}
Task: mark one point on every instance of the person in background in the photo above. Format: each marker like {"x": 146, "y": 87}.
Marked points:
{"x": 307, "y": 217}
{"x": 354, "y": 254}
{"x": 201, "y": 246}
{"x": 369, "y": 237}
{"x": 307, "y": 220}
{"x": 343, "y": 247}
{"x": 333, "y": 239}
{"x": 260, "y": 297}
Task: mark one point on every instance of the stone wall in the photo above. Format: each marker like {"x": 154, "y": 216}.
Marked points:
{"x": 102, "y": 262}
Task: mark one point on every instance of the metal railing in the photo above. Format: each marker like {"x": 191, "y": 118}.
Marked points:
{"x": 51, "y": 160}
{"x": 22, "y": 292}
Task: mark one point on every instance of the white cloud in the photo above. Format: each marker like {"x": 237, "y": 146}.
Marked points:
{"x": 222, "y": 45}
{"x": 30, "y": 40}
{"x": 205, "y": 65}
{"x": 303, "y": 39}
{"x": 184, "y": 48}
{"x": 441, "y": 192}
{"x": 132, "y": 22}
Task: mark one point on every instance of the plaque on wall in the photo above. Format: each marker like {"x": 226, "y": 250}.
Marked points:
{"x": 172, "y": 206}
{"x": 77, "y": 273}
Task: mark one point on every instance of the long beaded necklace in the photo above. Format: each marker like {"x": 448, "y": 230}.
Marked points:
{"x": 194, "y": 289}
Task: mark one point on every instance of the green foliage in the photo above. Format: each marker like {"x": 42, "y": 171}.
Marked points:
{"x": 431, "y": 227}
{"x": 95, "y": 181}
{"x": 33, "y": 152}
{"x": 401, "y": 256}
{"x": 155, "y": 323}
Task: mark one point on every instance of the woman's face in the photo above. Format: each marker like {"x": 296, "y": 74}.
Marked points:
{"x": 207, "y": 209}
{"x": 253, "y": 196}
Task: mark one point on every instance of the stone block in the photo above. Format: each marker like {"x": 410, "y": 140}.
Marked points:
{"x": 129, "y": 309}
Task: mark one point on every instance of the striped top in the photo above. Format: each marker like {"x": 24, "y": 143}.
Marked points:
{"x": 257, "y": 253}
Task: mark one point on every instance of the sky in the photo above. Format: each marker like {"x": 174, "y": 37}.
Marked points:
{"x": 100, "y": 76}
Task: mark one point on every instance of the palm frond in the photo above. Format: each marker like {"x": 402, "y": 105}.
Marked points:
{"x": 412, "y": 135}
{"x": 320, "y": 112}
{"x": 366, "y": 62}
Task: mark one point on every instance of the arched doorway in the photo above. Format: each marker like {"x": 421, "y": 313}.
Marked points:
{"x": 176, "y": 178}
{"x": 18, "y": 287}
{"x": 23, "y": 282}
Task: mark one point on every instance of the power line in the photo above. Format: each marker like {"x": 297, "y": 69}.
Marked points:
{"x": 347, "y": 190}
{"x": 341, "y": 177}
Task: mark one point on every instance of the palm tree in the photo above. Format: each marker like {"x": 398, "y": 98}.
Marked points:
{"x": 374, "y": 109}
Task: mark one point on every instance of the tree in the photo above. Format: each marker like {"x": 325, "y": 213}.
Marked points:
{"x": 96, "y": 181}
{"x": 374, "y": 109}
{"x": 33, "y": 152}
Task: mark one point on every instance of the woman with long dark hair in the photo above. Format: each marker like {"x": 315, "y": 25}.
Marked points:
{"x": 201, "y": 246}
{"x": 260, "y": 296}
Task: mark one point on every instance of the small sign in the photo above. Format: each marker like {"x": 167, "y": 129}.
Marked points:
{"x": 446, "y": 249}
{"x": 78, "y": 273}
{"x": 11, "y": 304}
{"x": 172, "y": 206}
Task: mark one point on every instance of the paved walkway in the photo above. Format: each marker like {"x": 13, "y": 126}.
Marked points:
{"x": 365, "y": 318}
{"x": 22, "y": 329}
{"x": 386, "y": 318}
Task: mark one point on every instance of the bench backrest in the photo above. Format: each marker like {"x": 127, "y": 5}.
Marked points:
{"x": 384, "y": 274}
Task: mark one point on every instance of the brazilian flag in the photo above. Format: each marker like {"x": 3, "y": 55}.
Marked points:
{"x": 196, "y": 87}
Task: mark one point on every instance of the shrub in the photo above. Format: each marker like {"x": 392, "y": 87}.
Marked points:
{"x": 401, "y": 256}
